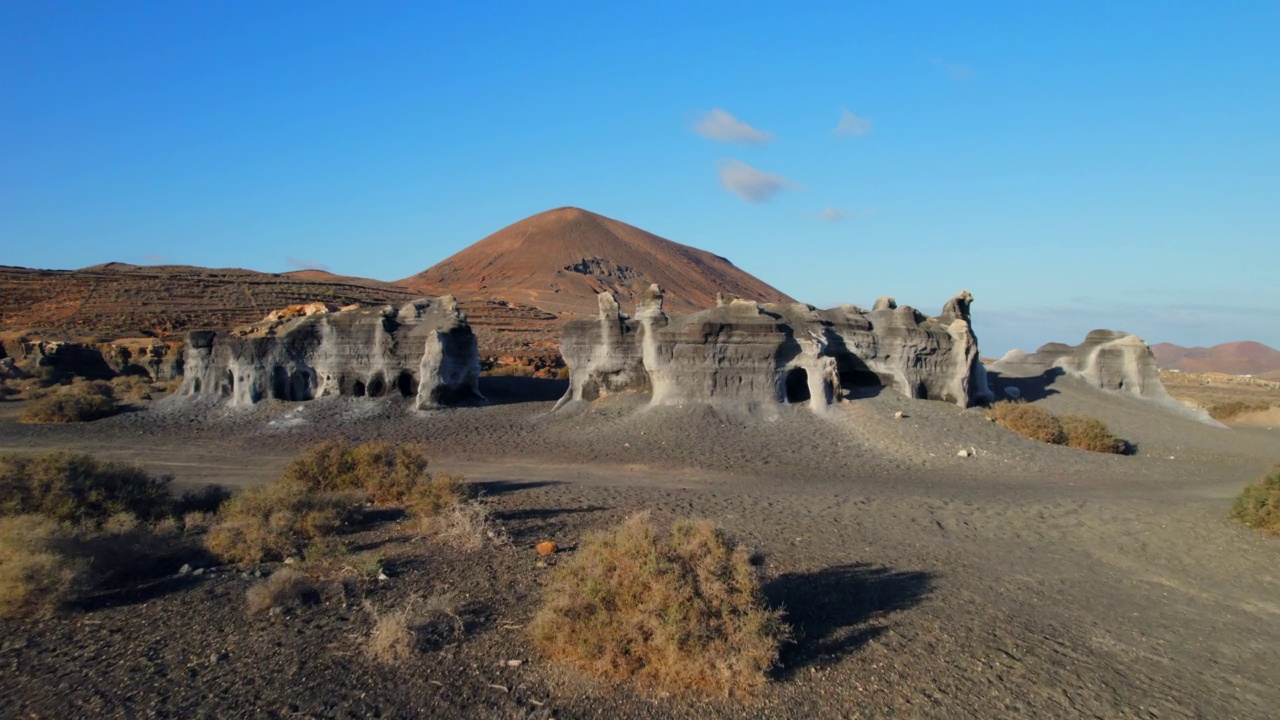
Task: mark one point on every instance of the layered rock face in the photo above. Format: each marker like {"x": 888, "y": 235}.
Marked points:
{"x": 757, "y": 355}
{"x": 424, "y": 350}
{"x": 1107, "y": 359}
{"x": 143, "y": 357}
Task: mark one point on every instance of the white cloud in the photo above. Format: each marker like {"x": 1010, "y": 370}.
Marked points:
{"x": 749, "y": 183}
{"x": 851, "y": 124}
{"x": 301, "y": 264}
{"x": 958, "y": 71}
{"x": 720, "y": 126}
{"x": 831, "y": 214}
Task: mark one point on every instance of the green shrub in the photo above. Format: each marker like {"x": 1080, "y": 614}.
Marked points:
{"x": 680, "y": 609}
{"x": 79, "y": 488}
{"x": 38, "y": 570}
{"x": 1088, "y": 433}
{"x": 1258, "y": 505}
{"x": 275, "y": 521}
{"x": 82, "y": 402}
{"x": 1029, "y": 421}
{"x": 388, "y": 473}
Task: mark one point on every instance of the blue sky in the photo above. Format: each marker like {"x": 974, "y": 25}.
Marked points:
{"x": 1074, "y": 165}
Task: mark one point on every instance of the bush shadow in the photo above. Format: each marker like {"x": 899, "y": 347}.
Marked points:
{"x": 502, "y": 487}
{"x": 514, "y": 390}
{"x": 833, "y": 611}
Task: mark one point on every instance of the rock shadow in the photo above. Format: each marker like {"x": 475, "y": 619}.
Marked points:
{"x": 1030, "y": 389}
{"x": 515, "y": 390}
{"x": 834, "y": 611}
{"x": 502, "y": 487}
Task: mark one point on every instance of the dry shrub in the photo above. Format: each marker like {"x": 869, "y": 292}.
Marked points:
{"x": 438, "y": 493}
{"x": 131, "y": 388}
{"x": 1258, "y": 505}
{"x": 400, "y": 634}
{"x": 1029, "y": 421}
{"x": 79, "y": 488}
{"x": 1235, "y": 408}
{"x": 275, "y": 522}
{"x": 285, "y": 588}
{"x": 1088, "y": 433}
{"x": 125, "y": 551}
{"x": 82, "y": 402}
{"x": 38, "y": 569}
{"x": 680, "y": 609}
{"x": 389, "y": 473}
{"x": 466, "y": 526}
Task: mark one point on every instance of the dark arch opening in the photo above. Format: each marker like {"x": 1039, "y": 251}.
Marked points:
{"x": 195, "y": 386}
{"x": 358, "y": 389}
{"x": 797, "y": 385}
{"x": 280, "y": 383}
{"x": 407, "y": 384}
{"x": 376, "y": 386}
{"x": 300, "y": 385}
{"x": 229, "y": 384}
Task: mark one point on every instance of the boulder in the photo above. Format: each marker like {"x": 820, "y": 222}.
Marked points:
{"x": 753, "y": 355}
{"x": 424, "y": 350}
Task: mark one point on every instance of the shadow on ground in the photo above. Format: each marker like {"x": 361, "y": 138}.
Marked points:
{"x": 834, "y": 611}
{"x": 1030, "y": 389}
{"x": 512, "y": 390}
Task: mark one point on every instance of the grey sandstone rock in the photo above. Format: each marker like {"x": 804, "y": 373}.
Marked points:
{"x": 755, "y": 356}
{"x": 424, "y": 350}
{"x": 1109, "y": 360}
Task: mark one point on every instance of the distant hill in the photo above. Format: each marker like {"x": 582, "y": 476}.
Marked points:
{"x": 560, "y": 260}
{"x": 1234, "y": 358}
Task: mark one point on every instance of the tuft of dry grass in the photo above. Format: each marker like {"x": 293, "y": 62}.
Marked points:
{"x": 387, "y": 472}
{"x": 79, "y": 488}
{"x": 1089, "y": 433}
{"x": 1233, "y": 409}
{"x": 1029, "y": 421}
{"x": 82, "y": 402}
{"x": 131, "y": 388}
{"x": 38, "y": 570}
{"x": 679, "y": 609}
{"x": 438, "y": 493}
{"x": 466, "y": 526}
{"x": 1258, "y": 505}
{"x": 285, "y": 588}
{"x": 399, "y": 634}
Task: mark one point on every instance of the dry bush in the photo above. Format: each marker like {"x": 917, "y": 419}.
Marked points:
{"x": 1223, "y": 412}
{"x": 38, "y": 570}
{"x": 389, "y": 473}
{"x": 131, "y": 388}
{"x": 498, "y": 370}
{"x": 79, "y": 488}
{"x": 124, "y": 551}
{"x": 1029, "y": 421}
{"x": 82, "y": 402}
{"x": 206, "y": 500}
{"x": 1258, "y": 505}
{"x": 285, "y": 588}
{"x": 438, "y": 493}
{"x": 466, "y": 525}
{"x": 400, "y": 634}
{"x": 274, "y": 522}
{"x": 1088, "y": 433}
{"x": 680, "y": 609}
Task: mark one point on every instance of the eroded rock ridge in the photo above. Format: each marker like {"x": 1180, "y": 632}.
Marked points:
{"x": 424, "y": 350}
{"x": 759, "y": 355}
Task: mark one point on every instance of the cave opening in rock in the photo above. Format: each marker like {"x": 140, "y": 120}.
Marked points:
{"x": 376, "y": 386}
{"x": 229, "y": 384}
{"x": 358, "y": 389}
{"x": 797, "y": 385}
{"x": 407, "y": 384}
{"x": 300, "y": 385}
{"x": 280, "y": 383}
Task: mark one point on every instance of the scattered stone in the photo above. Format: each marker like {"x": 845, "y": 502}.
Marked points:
{"x": 514, "y": 663}
{"x": 899, "y": 415}
{"x": 218, "y": 657}
{"x": 547, "y": 547}
{"x": 965, "y": 453}
{"x": 1012, "y": 391}
{"x": 184, "y": 569}
{"x": 198, "y": 571}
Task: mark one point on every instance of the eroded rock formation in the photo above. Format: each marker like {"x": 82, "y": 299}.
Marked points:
{"x": 757, "y": 355}
{"x": 1107, "y": 359}
{"x": 144, "y": 357}
{"x": 424, "y": 350}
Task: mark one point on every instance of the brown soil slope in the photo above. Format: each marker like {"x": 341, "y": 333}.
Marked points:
{"x": 117, "y": 299}
{"x": 560, "y": 260}
{"x": 1233, "y": 358}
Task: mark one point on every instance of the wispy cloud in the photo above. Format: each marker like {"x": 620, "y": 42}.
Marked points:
{"x": 835, "y": 214}
{"x": 749, "y": 183}
{"x": 958, "y": 71}
{"x": 720, "y": 126}
{"x": 301, "y": 264}
{"x": 851, "y": 124}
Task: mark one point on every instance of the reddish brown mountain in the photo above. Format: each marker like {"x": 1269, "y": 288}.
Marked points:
{"x": 1235, "y": 358}
{"x": 560, "y": 260}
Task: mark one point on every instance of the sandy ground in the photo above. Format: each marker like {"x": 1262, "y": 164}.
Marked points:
{"x": 1025, "y": 581}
